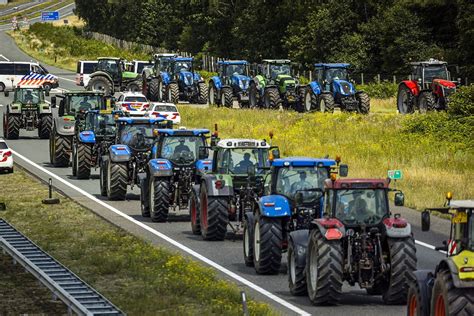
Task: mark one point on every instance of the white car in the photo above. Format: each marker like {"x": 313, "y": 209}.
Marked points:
{"x": 6, "y": 157}
{"x": 132, "y": 103}
{"x": 166, "y": 110}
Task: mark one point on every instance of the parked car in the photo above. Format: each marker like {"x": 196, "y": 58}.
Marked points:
{"x": 168, "y": 111}
{"x": 6, "y": 157}
{"x": 83, "y": 71}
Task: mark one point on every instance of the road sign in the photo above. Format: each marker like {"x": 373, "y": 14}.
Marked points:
{"x": 50, "y": 16}
{"x": 395, "y": 174}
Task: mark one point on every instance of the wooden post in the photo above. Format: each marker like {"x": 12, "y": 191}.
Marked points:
{"x": 362, "y": 78}
{"x": 378, "y": 78}
{"x": 394, "y": 79}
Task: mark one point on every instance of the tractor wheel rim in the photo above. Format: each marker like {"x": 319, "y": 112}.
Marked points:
{"x": 246, "y": 241}
{"x": 211, "y": 95}
{"x": 323, "y": 106}
{"x": 403, "y": 101}
{"x": 412, "y": 306}
{"x": 292, "y": 264}
{"x": 307, "y": 102}
{"x": 256, "y": 243}
{"x": 204, "y": 212}
{"x": 108, "y": 178}
{"x": 313, "y": 268}
{"x": 152, "y": 196}
{"x": 98, "y": 86}
{"x": 223, "y": 98}
{"x": 440, "y": 309}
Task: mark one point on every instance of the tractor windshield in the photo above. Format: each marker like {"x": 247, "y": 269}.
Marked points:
{"x": 236, "y": 70}
{"x": 239, "y": 160}
{"x": 179, "y": 66}
{"x": 279, "y": 69}
{"x": 83, "y": 103}
{"x": 361, "y": 206}
{"x": 335, "y": 74}
{"x": 137, "y": 136}
{"x": 435, "y": 72}
{"x": 29, "y": 95}
{"x": 297, "y": 179}
{"x": 181, "y": 149}
{"x": 103, "y": 125}
{"x": 470, "y": 243}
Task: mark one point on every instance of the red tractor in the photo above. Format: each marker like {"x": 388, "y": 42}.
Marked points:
{"x": 428, "y": 89}
{"x": 358, "y": 241}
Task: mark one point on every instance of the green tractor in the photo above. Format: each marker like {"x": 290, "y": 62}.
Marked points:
{"x": 449, "y": 289}
{"x": 274, "y": 86}
{"x": 71, "y": 114}
{"x": 29, "y": 111}
{"x": 110, "y": 76}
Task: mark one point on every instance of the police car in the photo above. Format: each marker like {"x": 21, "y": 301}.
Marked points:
{"x": 132, "y": 103}
{"x": 14, "y": 73}
{"x": 6, "y": 157}
{"x": 168, "y": 111}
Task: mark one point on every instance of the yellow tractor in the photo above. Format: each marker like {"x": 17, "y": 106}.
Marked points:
{"x": 449, "y": 290}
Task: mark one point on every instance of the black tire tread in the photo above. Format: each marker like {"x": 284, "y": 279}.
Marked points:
{"x": 328, "y": 101}
{"x": 162, "y": 198}
{"x": 364, "y": 102}
{"x": 298, "y": 287}
{"x": 84, "y": 160}
{"x": 154, "y": 90}
{"x": 13, "y": 126}
{"x": 62, "y": 150}
{"x": 217, "y": 219}
{"x": 271, "y": 236}
{"x": 203, "y": 93}
{"x": 45, "y": 126}
{"x": 118, "y": 181}
{"x": 460, "y": 301}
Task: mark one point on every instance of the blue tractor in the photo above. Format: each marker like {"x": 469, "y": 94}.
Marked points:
{"x": 232, "y": 81}
{"x": 178, "y": 82}
{"x": 332, "y": 88}
{"x": 292, "y": 198}
{"x": 178, "y": 159}
{"x": 127, "y": 158}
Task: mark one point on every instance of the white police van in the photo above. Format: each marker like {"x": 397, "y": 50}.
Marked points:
{"x": 18, "y": 73}
{"x": 83, "y": 71}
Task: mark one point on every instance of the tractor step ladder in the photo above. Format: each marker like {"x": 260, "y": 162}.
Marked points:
{"x": 79, "y": 297}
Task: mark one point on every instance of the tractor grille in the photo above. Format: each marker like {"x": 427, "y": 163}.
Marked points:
{"x": 189, "y": 79}
{"x": 346, "y": 87}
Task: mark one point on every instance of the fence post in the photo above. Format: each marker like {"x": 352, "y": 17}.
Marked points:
{"x": 310, "y": 76}
{"x": 378, "y": 78}
{"x": 394, "y": 79}
{"x": 362, "y": 78}
{"x": 466, "y": 81}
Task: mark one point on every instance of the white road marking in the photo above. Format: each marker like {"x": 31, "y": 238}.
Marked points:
{"x": 428, "y": 246}
{"x": 170, "y": 240}
{"x": 67, "y": 79}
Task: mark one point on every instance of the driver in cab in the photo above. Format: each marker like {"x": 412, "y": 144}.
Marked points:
{"x": 359, "y": 209}
{"x": 28, "y": 96}
{"x": 243, "y": 166}
{"x": 181, "y": 148}
{"x": 301, "y": 184}
{"x": 85, "y": 105}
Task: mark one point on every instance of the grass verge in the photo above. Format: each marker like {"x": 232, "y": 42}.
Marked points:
{"x": 138, "y": 277}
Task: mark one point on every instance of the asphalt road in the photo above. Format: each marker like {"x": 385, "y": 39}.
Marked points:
{"x": 33, "y": 156}
{"x": 20, "y": 7}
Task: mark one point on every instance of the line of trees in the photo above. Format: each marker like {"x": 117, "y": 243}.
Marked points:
{"x": 378, "y": 36}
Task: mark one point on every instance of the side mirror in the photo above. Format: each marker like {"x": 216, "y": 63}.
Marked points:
{"x": 53, "y": 102}
{"x": 343, "y": 170}
{"x": 425, "y": 221}
{"x": 61, "y": 108}
{"x": 203, "y": 154}
{"x": 276, "y": 153}
{"x": 7, "y": 93}
{"x": 251, "y": 171}
{"x": 298, "y": 198}
{"x": 399, "y": 199}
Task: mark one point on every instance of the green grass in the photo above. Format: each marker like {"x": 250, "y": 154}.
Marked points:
{"x": 135, "y": 275}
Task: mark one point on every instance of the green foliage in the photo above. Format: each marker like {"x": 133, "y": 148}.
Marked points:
{"x": 383, "y": 90}
{"x": 207, "y": 74}
{"x": 462, "y": 102}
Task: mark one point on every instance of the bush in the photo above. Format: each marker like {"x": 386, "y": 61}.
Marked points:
{"x": 462, "y": 102}
{"x": 383, "y": 90}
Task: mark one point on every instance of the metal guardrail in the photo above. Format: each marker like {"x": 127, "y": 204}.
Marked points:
{"x": 78, "y": 296}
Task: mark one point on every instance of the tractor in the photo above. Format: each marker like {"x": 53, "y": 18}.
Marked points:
{"x": 92, "y": 139}
{"x": 152, "y": 86}
{"x": 172, "y": 171}
{"x": 127, "y": 159}
{"x": 232, "y": 81}
{"x": 72, "y": 110}
{"x": 332, "y": 88}
{"x": 178, "y": 81}
{"x": 110, "y": 76}
{"x": 229, "y": 189}
{"x": 29, "y": 111}
{"x": 291, "y": 199}
{"x": 429, "y": 88}
{"x": 358, "y": 241}
{"x": 274, "y": 86}
{"x": 449, "y": 289}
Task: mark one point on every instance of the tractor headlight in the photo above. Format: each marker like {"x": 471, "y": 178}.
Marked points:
{"x": 241, "y": 84}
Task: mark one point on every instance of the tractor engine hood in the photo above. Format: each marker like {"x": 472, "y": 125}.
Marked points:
{"x": 286, "y": 82}
{"x": 128, "y": 75}
{"x": 241, "y": 81}
{"x": 343, "y": 87}
{"x": 188, "y": 77}
{"x": 445, "y": 83}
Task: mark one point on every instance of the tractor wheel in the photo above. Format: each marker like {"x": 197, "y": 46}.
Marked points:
{"x": 154, "y": 90}
{"x": 364, "y": 102}
{"x": 402, "y": 254}
{"x": 144, "y": 203}
{"x": 202, "y": 97}
{"x": 214, "y": 212}
{"x": 324, "y": 269}
{"x": 134, "y": 86}
{"x": 60, "y": 148}
{"x": 45, "y": 125}
{"x": 248, "y": 236}
{"x": 326, "y": 103}
{"x": 103, "y": 178}
{"x": 173, "y": 93}
{"x": 227, "y": 98}
{"x": 194, "y": 213}
{"x": 212, "y": 94}
{"x": 2, "y": 87}
{"x": 160, "y": 197}
{"x": 426, "y": 102}
{"x": 310, "y": 101}
{"x": 117, "y": 178}
{"x": 419, "y": 294}
{"x": 74, "y": 160}
{"x": 296, "y": 273}
{"x": 405, "y": 100}
{"x": 13, "y": 126}
{"x": 83, "y": 161}
{"x": 267, "y": 245}
{"x": 449, "y": 300}
{"x": 100, "y": 83}
{"x": 271, "y": 98}
{"x": 253, "y": 96}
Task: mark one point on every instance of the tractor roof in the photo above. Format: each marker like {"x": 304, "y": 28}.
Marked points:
{"x": 140, "y": 120}
{"x": 430, "y": 62}
{"x": 303, "y": 162}
{"x": 109, "y": 58}
{"x": 276, "y": 61}
{"x": 182, "y": 59}
{"x": 83, "y": 92}
{"x": 357, "y": 184}
{"x": 232, "y": 62}
{"x": 332, "y": 65}
{"x": 242, "y": 143}
{"x": 184, "y": 132}
{"x": 462, "y": 204}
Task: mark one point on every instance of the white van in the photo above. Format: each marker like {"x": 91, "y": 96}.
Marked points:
{"x": 139, "y": 65}
{"x": 17, "y": 73}
{"x": 83, "y": 71}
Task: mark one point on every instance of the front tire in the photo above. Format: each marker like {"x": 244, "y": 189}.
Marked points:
{"x": 310, "y": 100}
{"x": 212, "y": 94}
{"x": 449, "y": 300}
{"x": 418, "y": 302}
{"x": 83, "y": 160}
{"x": 60, "y": 148}
{"x": 364, "y": 102}
{"x": 160, "y": 197}
{"x": 426, "y": 102}
{"x": 267, "y": 246}
{"x": 326, "y": 103}
{"x": 214, "y": 216}
{"x": 102, "y": 84}
{"x": 248, "y": 236}
{"x": 296, "y": 272}
{"x": 226, "y": 97}
{"x": 194, "y": 213}
{"x": 13, "y": 126}
{"x": 103, "y": 178}
{"x": 117, "y": 178}
{"x": 203, "y": 93}
{"x": 253, "y": 96}
{"x": 405, "y": 100}
{"x": 271, "y": 98}
{"x": 154, "y": 90}
{"x": 45, "y": 126}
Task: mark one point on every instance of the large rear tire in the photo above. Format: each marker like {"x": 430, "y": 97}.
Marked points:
{"x": 418, "y": 302}
{"x": 103, "y": 178}
{"x": 426, "y": 102}
{"x": 13, "y": 126}
{"x": 194, "y": 213}
{"x": 134, "y": 86}
{"x": 214, "y": 216}
{"x": 173, "y": 93}
{"x": 326, "y": 103}
{"x": 449, "y": 300}
{"x": 60, "y": 149}
{"x": 117, "y": 178}
{"x": 324, "y": 269}
{"x": 402, "y": 252}
{"x": 203, "y": 93}
{"x": 296, "y": 272}
{"x": 364, "y": 102}
{"x": 227, "y": 99}
{"x": 83, "y": 160}
{"x": 267, "y": 246}
{"x": 154, "y": 90}
{"x": 160, "y": 196}
{"x": 271, "y": 98}
{"x": 253, "y": 96}
{"x": 101, "y": 83}
{"x": 45, "y": 126}
{"x": 405, "y": 100}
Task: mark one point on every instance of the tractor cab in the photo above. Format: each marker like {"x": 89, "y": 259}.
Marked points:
{"x": 29, "y": 95}
{"x": 274, "y": 68}
{"x": 234, "y": 73}
{"x": 327, "y": 74}
{"x": 79, "y": 102}
{"x": 162, "y": 61}
{"x": 425, "y": 72}
{"x": 116, "y": 68}
{"x": 138, "y": 133}
{"x": 101, "y": 123}
{"x": 179, "y": 65}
